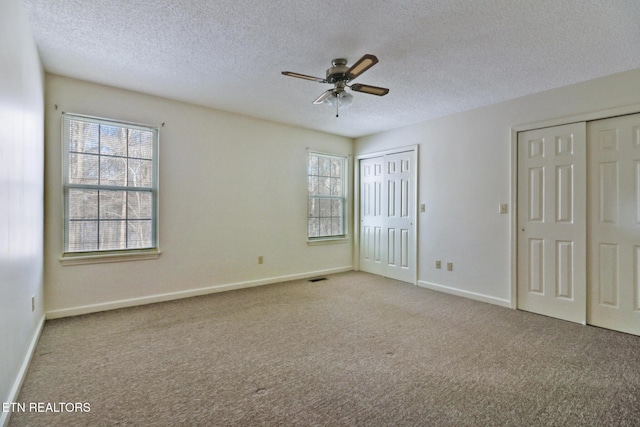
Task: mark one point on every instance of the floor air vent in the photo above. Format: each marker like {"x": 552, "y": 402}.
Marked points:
{"x": 317, "y": 279}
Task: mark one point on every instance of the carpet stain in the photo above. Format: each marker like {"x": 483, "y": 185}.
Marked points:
{"x": 260, "y": 392}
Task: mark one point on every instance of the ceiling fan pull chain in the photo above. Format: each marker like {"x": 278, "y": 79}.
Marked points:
{"x": 337, "y": 104}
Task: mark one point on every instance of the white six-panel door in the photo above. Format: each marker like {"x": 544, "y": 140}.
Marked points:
{"x": 400, "y": 216}
{"x": 614, "y": 223}
{"x": 388, "y": 215}
{"x": 552, "y": 222}
{"x": 371, "y": 215}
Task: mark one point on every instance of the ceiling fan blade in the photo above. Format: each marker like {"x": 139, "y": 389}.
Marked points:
{"x": 304, "y": 76}
{"x": 373, "y": 90}
{"x": 362, "y": 65}
{"x": 321, "y": 98}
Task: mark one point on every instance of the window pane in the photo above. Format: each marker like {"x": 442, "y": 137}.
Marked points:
{"x": 313, "y": 185}
{"x": 313, "y": 164}
{"x": 83, "y": 236}
{"x": 324, "y": 186}
{"x": 83, "y": 137}
{"x": 139, "y": 234}
{"x": 314, "y": 207}
{"x": 336, "y": 187}
{"x": 83, "y": 204}
{"x": 113, "y": 204}
{"x": 336, "y": 226}
{"x": 83, "y": 169}
{"x": 113, "y": 171}
{"x": 324, "y": 166}
{"x": 139, "y": 205}
{"x": 140, "y": 173}
{"x": 113, "y": 235}
{"x": 313, "y": 227}
{"x": 336, "y": 207}
{"x": 113, "y": 141}
{"x": 325, "y": 208}
{"x": 140, "y": 144}
{"x": 336, "y": 167}
{"x": 325, "y": 227}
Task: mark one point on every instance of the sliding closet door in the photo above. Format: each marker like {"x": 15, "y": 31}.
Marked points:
{"x": 614, "y": 223}
{"x": 551, "y": 222}
{"x": 388, "y": 215}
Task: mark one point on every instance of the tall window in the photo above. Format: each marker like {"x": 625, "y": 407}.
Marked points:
{"x": 327, "y": 196}
{"x": 110, "y": 185}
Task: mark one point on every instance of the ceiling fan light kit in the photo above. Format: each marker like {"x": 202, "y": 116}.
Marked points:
{"x": 339, "y": 74}
{"x": 343, "y": 99}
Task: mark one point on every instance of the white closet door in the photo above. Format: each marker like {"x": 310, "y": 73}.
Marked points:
{"x": 614, "y": 223}
{"x": 551, "y": 222}
{"x": 400, "y": 213}
{"x": 371, "y": 216}
{"x": 388, "y": 215}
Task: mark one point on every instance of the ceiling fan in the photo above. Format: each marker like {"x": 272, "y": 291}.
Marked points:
{"x": 339, "y": 75}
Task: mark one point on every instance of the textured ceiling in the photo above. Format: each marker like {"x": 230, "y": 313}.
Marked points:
{"x": 437, "y": 56}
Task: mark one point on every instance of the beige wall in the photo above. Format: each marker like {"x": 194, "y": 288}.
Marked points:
{"x": 232, "y": 188}
{"x": 466, "y": 173}
{"x": 21, "y": 195}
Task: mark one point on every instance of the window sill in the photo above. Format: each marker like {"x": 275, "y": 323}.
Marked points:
{"x": 103, "y": 257}
{"x": 328, "y": 241}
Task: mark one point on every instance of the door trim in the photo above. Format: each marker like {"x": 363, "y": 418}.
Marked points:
{"x": 583, "y": 117}
{"x": 356, "y": 201}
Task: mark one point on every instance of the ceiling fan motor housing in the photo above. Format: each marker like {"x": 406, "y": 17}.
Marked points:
{"x": 338, "y": 72}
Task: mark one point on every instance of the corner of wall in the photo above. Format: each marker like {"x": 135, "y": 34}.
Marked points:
{"x": 21, "y": 199}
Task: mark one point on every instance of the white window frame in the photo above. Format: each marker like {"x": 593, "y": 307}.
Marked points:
{"x": 344, "y": 176}
{"x": 108, "y": 255}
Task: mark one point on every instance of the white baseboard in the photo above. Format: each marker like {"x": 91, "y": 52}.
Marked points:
{"x": 465, "y": 294}
{"x": 22, "y": 373}
{"x": 85, "y": 309}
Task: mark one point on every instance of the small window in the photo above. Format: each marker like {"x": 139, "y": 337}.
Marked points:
{"x": 327, "y": 196}
{"x": 110, "y": 185}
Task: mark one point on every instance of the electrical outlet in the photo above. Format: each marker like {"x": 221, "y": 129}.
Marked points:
{"x": 438, "y": 264}
{"x": 423, "y": 208}
{"x": 33, "y": 303}
{"x": 450, "y": 266}
{"x": 260, "y": 259}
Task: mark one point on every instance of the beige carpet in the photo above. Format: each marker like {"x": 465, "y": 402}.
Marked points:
{"x": 354, "y": 350}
